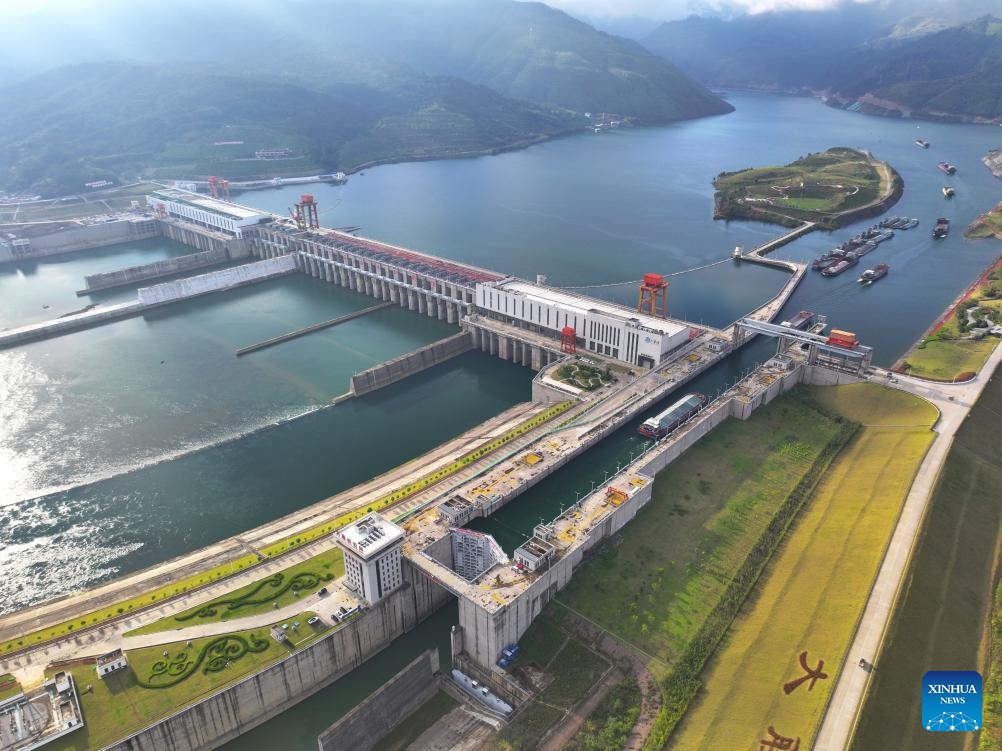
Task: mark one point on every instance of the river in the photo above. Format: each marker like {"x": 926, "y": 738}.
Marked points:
{"x": 136, "y": 441}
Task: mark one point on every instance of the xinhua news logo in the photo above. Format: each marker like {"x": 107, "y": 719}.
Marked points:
{"x": 951, "y": 700}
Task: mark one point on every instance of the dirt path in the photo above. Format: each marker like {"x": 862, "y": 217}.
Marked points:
{"x": 622, "y": 654}
{"x": 574, "y": 719}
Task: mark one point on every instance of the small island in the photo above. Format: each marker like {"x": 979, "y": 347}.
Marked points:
{"x": 831, "y": 189}
{"x": 988, "y": 224}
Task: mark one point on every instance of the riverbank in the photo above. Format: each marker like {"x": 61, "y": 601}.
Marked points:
{"x": 955, "y": 346}
{"x": 988, "y": 224}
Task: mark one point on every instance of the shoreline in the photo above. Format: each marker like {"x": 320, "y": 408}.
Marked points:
{"x": 937, "y": 324}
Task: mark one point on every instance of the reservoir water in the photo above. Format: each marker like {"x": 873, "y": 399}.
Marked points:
{"x": 136, "y": 441}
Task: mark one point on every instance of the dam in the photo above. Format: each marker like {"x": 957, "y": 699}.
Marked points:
{"x": 514, "y": 320}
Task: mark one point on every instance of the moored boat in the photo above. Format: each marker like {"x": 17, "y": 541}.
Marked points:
{"x": 947, "y": 168}
{"x": 924, "y": 144}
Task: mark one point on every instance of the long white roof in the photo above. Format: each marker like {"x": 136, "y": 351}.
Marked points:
{"x": 224, "y": 208}
{"x": 582, "y": 305}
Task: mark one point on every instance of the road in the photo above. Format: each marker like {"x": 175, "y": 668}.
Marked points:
{"x": 954, "y": 401}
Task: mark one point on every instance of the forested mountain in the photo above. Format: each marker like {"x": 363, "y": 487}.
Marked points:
{"x": 113, "y": 86}
{"x": 94, "y": 121}
{"x": 953, "y": 71}
{"x": 917, "y": 65}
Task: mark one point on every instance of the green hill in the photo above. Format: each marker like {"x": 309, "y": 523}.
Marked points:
{"x": 96, "y": 121}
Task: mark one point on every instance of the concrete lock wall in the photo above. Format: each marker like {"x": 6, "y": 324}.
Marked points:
{"x": 369, "y": 722}
{"x": 486, "y": 634}
{"x": 156, "y": 269}
{"x": 399, "y": 368}
{"x": 234, "y": 710}
{"x": 217, "y": 280}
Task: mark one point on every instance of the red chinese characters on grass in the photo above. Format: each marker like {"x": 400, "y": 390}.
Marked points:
{"x": 813, "y": 675}
{"x": 791, "y": 743}
{"x": 777, "y": 741}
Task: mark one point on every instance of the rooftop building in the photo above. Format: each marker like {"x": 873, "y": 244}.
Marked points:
{"x": 205, "y": 211}
{"x": 598, "y": 326}
{"x": 371, "y": 556}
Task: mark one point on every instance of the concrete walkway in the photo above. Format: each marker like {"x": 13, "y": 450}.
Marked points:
{"x": 954, "y": 401}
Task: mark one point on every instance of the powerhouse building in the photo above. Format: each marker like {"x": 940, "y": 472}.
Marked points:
{"x": 598, "y": 326}
{"x": 205, "y": 211}
{"x": 371, "y": 549}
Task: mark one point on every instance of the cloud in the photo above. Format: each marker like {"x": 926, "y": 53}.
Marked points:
{"x": 663, "y": 10}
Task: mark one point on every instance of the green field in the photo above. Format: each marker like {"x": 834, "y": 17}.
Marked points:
{"x": 814, "y": 590}
{"x": 988, "y": 224}
{"x": 819, "y": 188}
{"x": 276, "y": 591}
{"x": 609, "y": 726}
{"x": 582, "y": 376}
{"x": 119, "y": 704}
{"x": 943, "y": 614}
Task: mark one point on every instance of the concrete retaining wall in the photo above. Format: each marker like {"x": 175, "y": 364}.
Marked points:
{"x": 399, "y": 368}
{"x": 217, "y": 280}
{"x": 369, "y": 722}
{"x": 70, "y": 323}
{"x": 153, "y": 270}
{"x": 88, "y": 236}
{"x": 235, "y": 710}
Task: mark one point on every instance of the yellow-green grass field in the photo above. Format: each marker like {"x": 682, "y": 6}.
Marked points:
{"x": 152, "y": 597}
{"x": 118, "y": 704}
{"x": 276, "y": 591}
{"x": 814, "y": 590}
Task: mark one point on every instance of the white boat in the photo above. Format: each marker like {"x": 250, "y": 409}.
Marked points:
{"x": 480, "y": 692}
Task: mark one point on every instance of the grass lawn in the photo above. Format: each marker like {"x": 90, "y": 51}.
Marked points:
{"x": 945, "y": 359}
{"x": 575, "y": 669}
{"x": 709, "y": 508}
{"x": 943, "y": 618}
{"x": 814, "y": 589}
{"x": 9, "y": 686}
{"x": 408, "y": 731}
{"x": 278, "y": 590}
{"x": 118, "y": 705}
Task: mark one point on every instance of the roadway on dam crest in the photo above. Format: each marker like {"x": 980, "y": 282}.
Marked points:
{"x": 954, "y": 401}
{"x": 101, "y": 638}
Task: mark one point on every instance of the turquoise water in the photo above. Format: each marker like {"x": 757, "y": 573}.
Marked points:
{"x": 40, "y": 289}
{"x": 133, "y": 442}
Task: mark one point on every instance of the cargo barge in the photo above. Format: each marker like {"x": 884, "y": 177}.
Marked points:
{"x": 947, "y": 168}
{"x": 662, "y": 424}
{"x": 844, "y": 265}
{"x": 800, "y": 321}
{"x": 871, "y": 275}
{"x": 942, "y": 227}
{"x": 922, "y": 143}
